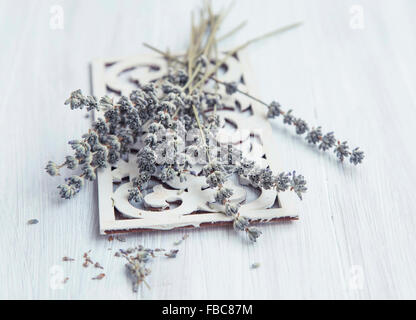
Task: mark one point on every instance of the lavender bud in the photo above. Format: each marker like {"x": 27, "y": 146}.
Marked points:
{"x": 240, "y": 223}
{"x": 52, "y": 168}
{"x": 215, "y": 179}
{"x": 91, "y": 103}
{"x": 274, "y": 109}
{"x": 231, "y": 209}
{"x": 266, "y": 178}
{"x": 89, "y": 172}
{"x": 223, "y": 194}
{"x": 301, "y": 126}
{"x": 253, "y": 233}
{"x": 314, "y": 136}
{"x": 106, "y": 102}
{"x": 167, "y": 174}
{"x": 135, "y": 195}
{"x": 357, "y": 156}
{"x": 298, "y": 184}
{"x": 231, "y": 88}
{"x": 282, "y": 182}
{"x": 341, "y": 150}
{"x": 100, "y": 126}
{"x": 71, "y": 162}
{"x": 328, "y": 141}
{"x": 288, "y": 118}
{"x": 124, "y": 104}
{"x": 76, "y": 100}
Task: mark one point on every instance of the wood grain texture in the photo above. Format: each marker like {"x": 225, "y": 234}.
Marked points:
{"x": 360, "y": 83}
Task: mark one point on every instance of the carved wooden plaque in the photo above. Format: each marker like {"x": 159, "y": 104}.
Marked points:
{"x": 178, "y": 204}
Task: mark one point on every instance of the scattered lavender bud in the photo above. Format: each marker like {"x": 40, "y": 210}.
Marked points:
{"x": 33, "y": 221}
{"x": 100, "y": 126}
{"x": 178, "y": 242}
{"x": 66, "y": 259}
{"x": 66, "y": 191}
{"x": 138, "y": 272}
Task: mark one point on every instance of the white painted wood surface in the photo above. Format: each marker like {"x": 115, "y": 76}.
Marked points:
{"x": 355, "y": 223}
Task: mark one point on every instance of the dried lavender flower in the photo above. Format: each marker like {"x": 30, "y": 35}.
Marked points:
{"x": 301, "y": 126}
{"x": 231, "y": 209}
{"x": 327, "y": 142}
{"x": 341, "y": 150}
{"x": 282, "y": 181}
{"x": 76, "y": 100}
{"x": 240, "y": 223}
{"x": 274, "y": 109}
{"x": 33, "y": 221}
{"x": 89, "y": 172}
{"x": 298, "y": 184}
{"x": 223, "y": 194}
{"x": 135, "y": 195}
{"x": 172, "y": 253}
{"x": 91, "y": 103}
{"x": 215, "y": 179}
{"x": 314, "y": 136}
{"x": 71, "y": 162}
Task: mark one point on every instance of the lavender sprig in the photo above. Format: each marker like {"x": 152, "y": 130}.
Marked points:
{"x": 315, "y": 136}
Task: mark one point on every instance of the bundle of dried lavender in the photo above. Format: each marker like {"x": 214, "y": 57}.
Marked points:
{"x": 157, "y": 113}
